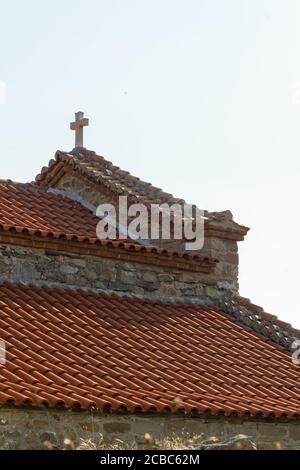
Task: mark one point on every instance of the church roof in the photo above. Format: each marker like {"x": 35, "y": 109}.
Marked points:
{"x": 102, "y": 171}
{"x": 28, "y": 210}
{"x": 81, "y": 349}
{"x": 108, "y": 177}
{"x": 90, "y": 349}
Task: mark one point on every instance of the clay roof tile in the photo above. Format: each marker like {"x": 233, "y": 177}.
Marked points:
{"x": 82, "y": 349}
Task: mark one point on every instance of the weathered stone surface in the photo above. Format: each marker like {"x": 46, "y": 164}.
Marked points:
{"x": 34, "y": 265}
{"x": 210, "y": 291}
{"x": 116, "y": 427}
{"x": 294, "y": 432}
{"x": 180, "y": 425}
{"x": 148, "y": 286}
{"x": 239, "y": 442}
{"x": 167, "y": 290}
{"x": 31, "y": 429}
{"x": 231, "y": 428}
{"x": 127, "y": 277}
{"x": 188, "y": 277}
{"x": 272, "y": 445}
{"x": 87, "y": 193}
{"x": 149, "y": 276}
{"x": 270, "y": 432}
{"x": 48, "y": 437}
{"x": 166, "y": 277}
{"x": 90, "y": 427}
{"x": 67, "y": 269}
{"x": 223, "y": 249}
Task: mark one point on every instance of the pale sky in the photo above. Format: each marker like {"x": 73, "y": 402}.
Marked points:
{"x": 200, "y": 97}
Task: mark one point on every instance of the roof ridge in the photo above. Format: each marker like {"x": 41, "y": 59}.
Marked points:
{"x": 9, "y": 182}
{"x": 99, "y": 169}
{"x": 110, "y": 165}
{"x": 258, "y": 320}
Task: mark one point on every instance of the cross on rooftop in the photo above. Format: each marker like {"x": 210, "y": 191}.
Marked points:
{"x": 77, "y": 126}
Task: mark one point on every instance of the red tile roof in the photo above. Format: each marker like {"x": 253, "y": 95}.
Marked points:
{"x": 100, "y": 170}
{"x": 80, "y": 349}
{"x": 254, "y": 316}
{"x": 111, "y": 178}
{"x": 28, "y": 209}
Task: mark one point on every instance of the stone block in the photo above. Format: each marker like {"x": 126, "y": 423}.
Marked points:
{"x": 91, "y": 275}
{"x": 189, "y": 277}
{"x": 149, "y": 276}
{"x": 153, "y": 426}
{"x": 167, "y": 290}
{"x": 294, "y": 432}
{"x": 148, "y": 286}
{"x": 90, "y": 427}
{"x": 272, "y": 431}
{"x": 68, "y": 269}
{"x": 127, "y": 277}
{"x": 116, "y": 427}
{"x": 80, "y": 262}
{"x": 211, "y": 291}
{"x": 165, "y": 277}
{"x": 49, "y": 438}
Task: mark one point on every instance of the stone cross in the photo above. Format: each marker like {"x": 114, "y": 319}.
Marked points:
{"x": 78, "y": 126}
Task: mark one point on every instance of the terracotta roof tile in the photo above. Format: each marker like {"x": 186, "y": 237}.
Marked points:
{"x": 100, "y": 170}
{"x": 78, "y": 348}
{"x": 104, "y": 174}
{"x": 28, "y": 209}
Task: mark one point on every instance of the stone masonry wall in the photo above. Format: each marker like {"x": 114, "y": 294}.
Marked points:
{"x": 22, "y": 428}
{"x": 19, "y": 264}
{"x": 85, "y": 192}
{"x": 226, "y": 272}
{"x": 226, "y": 251}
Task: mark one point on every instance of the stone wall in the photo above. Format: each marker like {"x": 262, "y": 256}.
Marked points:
{"x": 22, "y": 428}
{"x": 226, "y": 251}
{"x": 226, "y": 272}
{"x": 18, "y": 264}
{"x": 82, "y": 189}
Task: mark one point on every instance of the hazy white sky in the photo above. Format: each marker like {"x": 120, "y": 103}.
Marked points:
{"x": 200, "y": 97}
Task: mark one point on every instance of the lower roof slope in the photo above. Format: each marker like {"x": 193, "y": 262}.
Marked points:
{"x": 80, "y": 349}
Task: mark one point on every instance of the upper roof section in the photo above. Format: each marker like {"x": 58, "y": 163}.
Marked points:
{"x": 106, "y": 178}
{"x": 101, "y": 171}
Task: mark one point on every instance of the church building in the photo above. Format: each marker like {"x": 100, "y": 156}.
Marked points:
{"x": 127, "y": 341}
